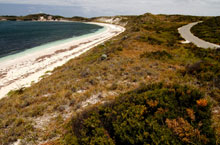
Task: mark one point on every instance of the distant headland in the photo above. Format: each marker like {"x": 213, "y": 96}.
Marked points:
{"x": 41, "y": 17}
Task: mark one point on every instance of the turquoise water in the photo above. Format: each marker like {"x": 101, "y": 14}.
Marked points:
{"x": 63, "y": 32}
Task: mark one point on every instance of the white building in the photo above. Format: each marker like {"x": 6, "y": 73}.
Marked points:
{"x": 41, "y": 18}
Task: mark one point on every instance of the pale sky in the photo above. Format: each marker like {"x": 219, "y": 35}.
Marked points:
{"x": 90, "y": 8}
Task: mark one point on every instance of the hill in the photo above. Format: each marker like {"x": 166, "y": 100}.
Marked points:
{"x": 32, "y": 17}
{"x": 123, "y": 91}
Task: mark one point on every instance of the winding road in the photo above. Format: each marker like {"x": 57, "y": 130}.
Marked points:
{"x": 189, "y": 37}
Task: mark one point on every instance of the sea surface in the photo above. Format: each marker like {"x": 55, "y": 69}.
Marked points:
{"x": 20, "y": 36}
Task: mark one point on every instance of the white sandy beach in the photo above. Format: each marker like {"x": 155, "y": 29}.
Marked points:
{"x": 22, "y": 71}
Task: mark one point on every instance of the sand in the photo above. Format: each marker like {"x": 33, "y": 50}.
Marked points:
{"x": 27, "y": 69}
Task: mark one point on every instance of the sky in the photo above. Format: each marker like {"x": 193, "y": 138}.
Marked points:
{"x": 92, "y": 8}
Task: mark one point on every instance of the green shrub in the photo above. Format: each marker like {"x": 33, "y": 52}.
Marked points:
{"x": 205, "y": 71}
{"x": 154, "y": 40}
{"x": 204, "y": 53}
{"x": 70, "y": 139}
{"x": 153, "y": 114}
{"x": 161, "y": 55}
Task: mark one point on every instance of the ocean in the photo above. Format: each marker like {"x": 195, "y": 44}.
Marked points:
{"x": 20, "y": 36}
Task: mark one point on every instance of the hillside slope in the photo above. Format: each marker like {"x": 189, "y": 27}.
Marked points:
{"x": 148, "y": 52}
{"x": 153, "y": 114}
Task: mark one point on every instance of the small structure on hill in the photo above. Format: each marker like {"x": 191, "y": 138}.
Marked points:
{"x": 41, "y": 18}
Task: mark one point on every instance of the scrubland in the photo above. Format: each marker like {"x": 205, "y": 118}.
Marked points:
{"x": 141, "y": 87}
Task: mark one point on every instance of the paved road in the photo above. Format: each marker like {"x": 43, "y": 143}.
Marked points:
{"x": 188, "y": 36}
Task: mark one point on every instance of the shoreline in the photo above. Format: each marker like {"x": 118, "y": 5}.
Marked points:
{"x": 48, "y": 45}
{"x": 23, "y": 71}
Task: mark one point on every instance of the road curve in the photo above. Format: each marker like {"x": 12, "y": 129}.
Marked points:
{"x": 189, "y": 37}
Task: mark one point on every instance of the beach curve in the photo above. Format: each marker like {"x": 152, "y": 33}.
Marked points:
{"x": 23, "y": 71}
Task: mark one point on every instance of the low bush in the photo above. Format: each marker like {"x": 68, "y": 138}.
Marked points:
{"x": 153, "y": 114}
{"x": 154, "y": 40}
{"x": 157, "y": 55}
{"x": 204, "y": 53}
{"x": 205, "y": 71}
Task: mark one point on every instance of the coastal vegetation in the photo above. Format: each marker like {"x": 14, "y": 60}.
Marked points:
{"x": 153, "y": 114}
{"x": 208, "y": 30}
{"x": 141, "y": 87}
